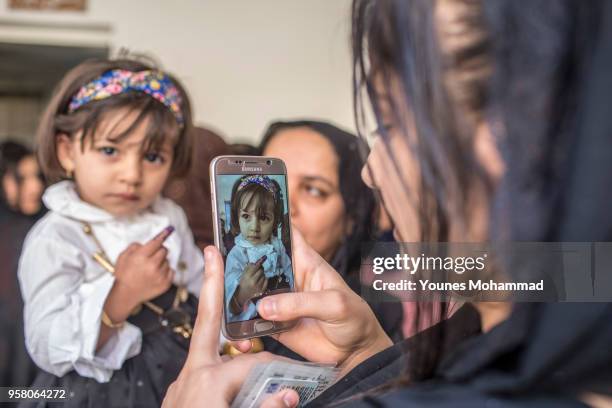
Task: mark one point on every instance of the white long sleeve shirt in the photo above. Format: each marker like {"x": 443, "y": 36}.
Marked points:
{"x": 64, "y": 289}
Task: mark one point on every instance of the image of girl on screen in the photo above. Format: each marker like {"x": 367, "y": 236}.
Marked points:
{"x": 258, "y": 263}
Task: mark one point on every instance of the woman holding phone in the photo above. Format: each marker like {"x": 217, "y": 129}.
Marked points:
{"x": 511, "y": 187}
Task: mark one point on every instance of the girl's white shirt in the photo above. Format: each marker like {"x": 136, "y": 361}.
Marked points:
{"x": 277, "y": 263}
{"x": 64, "y": 289}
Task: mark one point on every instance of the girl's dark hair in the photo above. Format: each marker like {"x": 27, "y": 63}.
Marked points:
{"x": 56, "y": 119}
{"x": 260, "y": 194}
{"x": 359, "y": 200}
{"x": 400, "y": 58}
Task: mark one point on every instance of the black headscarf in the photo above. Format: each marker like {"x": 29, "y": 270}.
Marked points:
{"x": 359, "y": 200}
{"x": 557, "y": 139}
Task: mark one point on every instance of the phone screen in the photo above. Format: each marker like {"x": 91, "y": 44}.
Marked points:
{"x": 255, "y": 240}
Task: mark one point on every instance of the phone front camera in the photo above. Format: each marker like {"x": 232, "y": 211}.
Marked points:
{"x": 268, "y": 162}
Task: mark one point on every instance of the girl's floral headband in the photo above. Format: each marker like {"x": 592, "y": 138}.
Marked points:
{"x": 261, "y": 180}
{"x": 117, "y": 81}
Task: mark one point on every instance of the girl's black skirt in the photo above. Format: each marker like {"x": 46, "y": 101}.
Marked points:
{"x": 142, "y": 381}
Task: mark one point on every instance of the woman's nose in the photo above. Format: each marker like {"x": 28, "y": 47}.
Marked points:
{"x": 366, "y": 176}
{"x": 293, "y": 205}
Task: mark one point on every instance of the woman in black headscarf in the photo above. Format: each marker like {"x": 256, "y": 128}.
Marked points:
{"x": 330, "y": 204}
{"x": 20, "y": 207}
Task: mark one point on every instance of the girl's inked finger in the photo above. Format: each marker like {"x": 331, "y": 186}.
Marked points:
{"x": 153, "y": 245}
{"x": 260, "y": 261}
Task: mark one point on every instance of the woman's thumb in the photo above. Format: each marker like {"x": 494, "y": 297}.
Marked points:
{"x": 325, "y": 305}
{"x": 204, "y": 347}
{"x": 282, "y": 399}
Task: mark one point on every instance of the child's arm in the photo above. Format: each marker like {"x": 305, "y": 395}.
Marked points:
{"x": 142, "y": 273}
{"x": 62, "y": 312}
{"x": 234, "y": 265}
{"x": 252, "y": 282}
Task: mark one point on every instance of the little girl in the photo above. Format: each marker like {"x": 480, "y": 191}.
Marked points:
{"x": 258, "y": 263}
{"x": 106, "y": 275}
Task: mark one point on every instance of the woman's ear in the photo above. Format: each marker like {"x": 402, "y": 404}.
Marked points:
{"x": 65, "y": 152}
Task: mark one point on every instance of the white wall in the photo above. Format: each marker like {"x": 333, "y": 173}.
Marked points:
{"x": 244, "y": 62}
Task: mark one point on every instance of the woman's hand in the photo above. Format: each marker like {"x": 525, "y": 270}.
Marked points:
{"x": 333, "y": 323}
{"x": 207, "y": 380}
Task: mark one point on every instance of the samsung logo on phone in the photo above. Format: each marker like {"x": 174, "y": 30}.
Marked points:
{"x": 257, "y": 169}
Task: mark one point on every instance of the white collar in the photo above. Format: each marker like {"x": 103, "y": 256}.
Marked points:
{"x": 241, "y": 241}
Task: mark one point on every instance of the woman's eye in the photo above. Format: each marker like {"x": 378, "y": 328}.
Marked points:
{"x": 315, "y": 192}
{"x": 383, "y": 129}
{"x": 154, "y": 158}
{"x": 264, "y": 218}
{"x": 108, "y": 151}
{"x": 245, "y": 216}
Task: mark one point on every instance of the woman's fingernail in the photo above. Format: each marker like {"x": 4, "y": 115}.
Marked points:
{"x": 290, "y": 399}
{"x": 268, "y": 307}
{"x": 169, "y": 229}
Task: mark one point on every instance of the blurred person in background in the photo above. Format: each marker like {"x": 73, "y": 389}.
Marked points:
{"x": 192, "y": 192}
{"x": 22, "y": 183}
{"x": 244, "y": 149}
{"x": 20, "y": 207}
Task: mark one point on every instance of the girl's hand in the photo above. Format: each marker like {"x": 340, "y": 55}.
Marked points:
{"x": 253, "y": 282}
{"x": 207, "y": 380}
{"x": 333, "y": 323}
{"x": 143, "y": 270}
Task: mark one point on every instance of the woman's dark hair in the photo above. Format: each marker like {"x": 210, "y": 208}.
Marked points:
{"x": 359, "y": 200}
{"x": 56, "y": 119}
{"x": 399, "y": 58}
{"x": 260, "y": 194}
